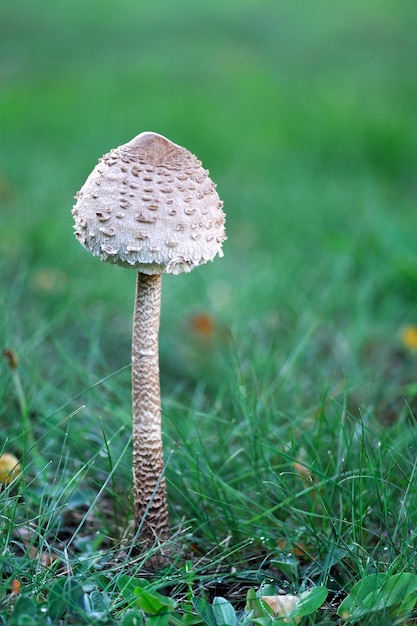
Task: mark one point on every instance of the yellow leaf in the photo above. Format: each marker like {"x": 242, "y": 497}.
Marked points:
{"x": 10, "y": 468}
{"x": 409, "y": 337}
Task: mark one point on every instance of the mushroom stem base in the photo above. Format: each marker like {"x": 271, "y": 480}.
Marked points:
{"x": 149, "y": 489}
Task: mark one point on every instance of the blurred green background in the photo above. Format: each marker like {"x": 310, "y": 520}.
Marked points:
{"x": 305, "y": 115}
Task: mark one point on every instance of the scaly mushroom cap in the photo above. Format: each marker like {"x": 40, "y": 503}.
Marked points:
{"x": 150, "y": 205}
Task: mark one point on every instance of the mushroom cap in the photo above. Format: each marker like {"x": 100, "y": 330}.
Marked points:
{"x": 150, "y": 205}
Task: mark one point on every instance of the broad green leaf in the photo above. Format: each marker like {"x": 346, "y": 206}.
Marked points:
{"x": 266, "y": 590}
{"x": 355, "y": 606}
{"x": 153, "y": 602}
{"x": 186, "y": 615}
{"x": 25, "y": 613}
{"x": 132, "y": 618}
{"x": 309, "y": 602}
{"x": 129, "y": 584}
{"x": 158, "y": 620}
{"x": 287, "y": 566}
{"x": 256, "y": 606}
{"x": 66, "y": 597}
{"x": 245, "y": 619}
{"x": 140, "y": 592}
{"x": 205, "y": 611}
{"x": 407, "y": 604}
{"x": 223, "y": 612}
{"x": 97, "y": 604}
{"x": 395, "y": 591}
{"x": 378, "y": 592}
{"x": 74, "y": 596}
{"x": 56, "y": 600}
{"x": 24, "y": 606}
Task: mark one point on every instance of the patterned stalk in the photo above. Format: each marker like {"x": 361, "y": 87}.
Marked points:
{"x": 149, "y": 490}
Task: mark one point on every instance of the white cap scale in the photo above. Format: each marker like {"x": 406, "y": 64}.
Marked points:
{"x": 151, "y": 206}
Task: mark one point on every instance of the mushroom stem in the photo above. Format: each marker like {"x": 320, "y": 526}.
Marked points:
{"x": 149, "y": 489}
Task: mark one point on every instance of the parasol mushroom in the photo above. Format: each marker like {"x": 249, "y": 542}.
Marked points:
{"x": 151, "y": 206}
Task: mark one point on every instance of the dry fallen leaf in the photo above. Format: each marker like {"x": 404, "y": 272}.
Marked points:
{"x": 298, "y": 549}
{"x": 203, "y": 325}
{"x": 282, "y": 606}
{"x": 303, "y": 471}
{"x": 15, "y": 586}
{"x": 11, "y": 358}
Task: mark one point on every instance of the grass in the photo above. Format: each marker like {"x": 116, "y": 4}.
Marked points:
{"x": 288, "y": 391}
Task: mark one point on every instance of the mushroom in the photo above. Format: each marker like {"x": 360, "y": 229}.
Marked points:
{"x": 151, "y": 206}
